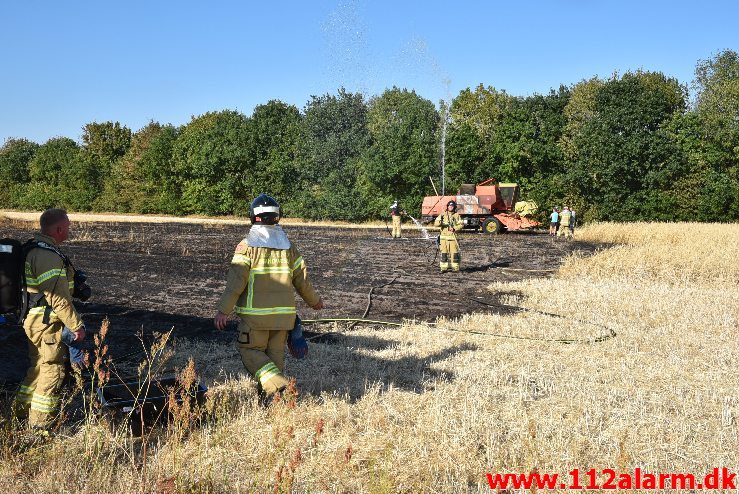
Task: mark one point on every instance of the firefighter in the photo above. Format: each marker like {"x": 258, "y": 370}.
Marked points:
{"x": 50, "y": 284}
{"x": 449, "y": 222}
{"x": 396, "y": 213}
{"x": 564, "y": 223}
{"x": 265, "y": 271}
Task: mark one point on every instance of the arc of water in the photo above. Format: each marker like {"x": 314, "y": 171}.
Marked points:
{"x": 444, "y": 123}
{"x": 424, "y": 231}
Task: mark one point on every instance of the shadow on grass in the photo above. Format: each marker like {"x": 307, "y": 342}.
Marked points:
{"x": 347, "y": 368}
{"x": 348, "y": 362}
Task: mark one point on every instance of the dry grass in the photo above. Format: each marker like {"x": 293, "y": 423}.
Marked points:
{"x": 688, "y": 254}
{"x": 432, "y": 409}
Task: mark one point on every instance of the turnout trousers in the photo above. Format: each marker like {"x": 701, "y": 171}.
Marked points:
{"x": 396, "y": 227}
{"x": 39, "y": 393}
{"x": 565, "y": 231}
{"x": 450, "y": 256}
{"x": 263, "y": 355}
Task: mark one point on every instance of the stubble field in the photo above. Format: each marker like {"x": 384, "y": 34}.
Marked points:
{"x": 648, "y": 378}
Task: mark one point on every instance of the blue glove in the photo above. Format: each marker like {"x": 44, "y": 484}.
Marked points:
{"x": 76, "y": 354}
{"x": 296, "y": 342}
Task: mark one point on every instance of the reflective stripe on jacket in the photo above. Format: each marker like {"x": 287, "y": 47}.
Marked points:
{"x": 564, "y": 219}
{"x": 446, "y": 220}
{"x": 261, "y": 284}
{"x": 46, "y": 272}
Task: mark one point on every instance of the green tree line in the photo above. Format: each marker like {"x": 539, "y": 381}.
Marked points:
{"x": 634, "y": 146}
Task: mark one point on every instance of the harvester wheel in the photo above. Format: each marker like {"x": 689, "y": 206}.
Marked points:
{"x": 492, "y": 225}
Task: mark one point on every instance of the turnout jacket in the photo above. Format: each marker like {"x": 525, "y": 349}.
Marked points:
{"x": 261, "y": 284}
{"x": 49, "y": 273}
{"x": 564, "y": 218}
{"x": 448, "y": 220}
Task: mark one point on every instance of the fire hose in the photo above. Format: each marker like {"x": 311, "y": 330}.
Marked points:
{"x": 611, "y": 333}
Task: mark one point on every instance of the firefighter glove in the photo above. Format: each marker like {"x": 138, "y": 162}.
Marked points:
{"x": 296, "y": 342}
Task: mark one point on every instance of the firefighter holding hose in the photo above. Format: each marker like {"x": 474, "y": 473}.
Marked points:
{"x": 449, "y": 222}
{"x": 396, "y": 213}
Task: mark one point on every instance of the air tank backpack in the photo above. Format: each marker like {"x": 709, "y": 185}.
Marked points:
{"x": 12, "y": 282}
{"x": 15, "y": 301}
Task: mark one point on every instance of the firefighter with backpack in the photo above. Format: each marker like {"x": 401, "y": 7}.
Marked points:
{"x": 50, "y": 283}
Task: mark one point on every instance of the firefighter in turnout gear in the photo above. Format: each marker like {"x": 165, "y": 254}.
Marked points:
{"x": 396, "y": 214}
{"x": 449, "y": 222}
{"x": 564, "y": 224}
{"x": 50, "y": 284}
{"x": 265, "y": 271}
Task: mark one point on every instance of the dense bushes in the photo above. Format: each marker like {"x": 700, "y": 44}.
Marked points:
{"x": 631, "y": 147}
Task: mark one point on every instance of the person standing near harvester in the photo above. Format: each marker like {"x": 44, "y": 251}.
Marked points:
{"x": 553, "y": 222}
{"x": 564, "y": 223}
{"x": 449, "y": 222}
{"x": 573, "y": 220}
{"x": 396, "y": 214}
{"x": 265, "y": 271}
{"x": 50, "y": 284}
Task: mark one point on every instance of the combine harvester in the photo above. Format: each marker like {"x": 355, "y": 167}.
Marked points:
{"x": 492, "y": 207}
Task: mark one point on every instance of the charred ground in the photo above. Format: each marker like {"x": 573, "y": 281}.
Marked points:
{"x": 151, "y": 277}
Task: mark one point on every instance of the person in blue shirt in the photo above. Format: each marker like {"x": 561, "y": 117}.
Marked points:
{"x": 553, "y": 222}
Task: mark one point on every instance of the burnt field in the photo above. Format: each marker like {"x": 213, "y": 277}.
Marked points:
{"x": 152, "y": 277}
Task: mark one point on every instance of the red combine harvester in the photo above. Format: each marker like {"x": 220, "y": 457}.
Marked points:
{"x": 492, "y": 207}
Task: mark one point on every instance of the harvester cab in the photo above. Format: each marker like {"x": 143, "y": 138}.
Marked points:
{"x": 491, "y": 207}
{"x": 509, "y": 193}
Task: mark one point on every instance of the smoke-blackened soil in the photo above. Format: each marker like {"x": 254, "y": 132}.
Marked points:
{"x": 149, "y": 277}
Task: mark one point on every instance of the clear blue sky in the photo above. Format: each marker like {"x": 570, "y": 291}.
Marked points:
{"x": 65, "y": 64}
